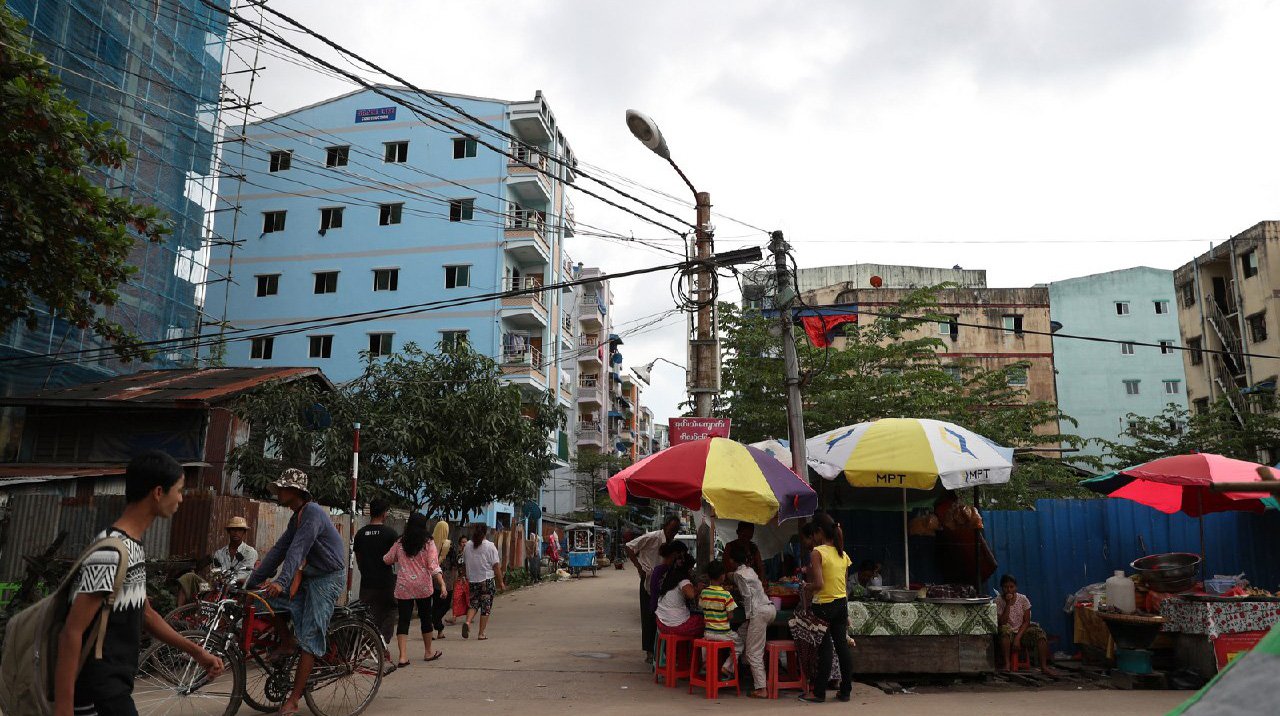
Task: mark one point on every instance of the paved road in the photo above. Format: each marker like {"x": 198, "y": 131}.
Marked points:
{"x": 575, "y": 646}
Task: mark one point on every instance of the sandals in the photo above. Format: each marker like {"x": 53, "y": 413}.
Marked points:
{"x": 466, "y": 630}
{"x": 434, "y": 656}
{"x": 402, "y": 664}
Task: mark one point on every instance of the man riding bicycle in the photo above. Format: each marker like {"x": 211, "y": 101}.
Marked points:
{"x": 312, "y": 547}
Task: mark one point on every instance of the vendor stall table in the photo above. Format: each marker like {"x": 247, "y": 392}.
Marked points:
{"x": 1200, "y": 625}
{"x": 923, "y": 637}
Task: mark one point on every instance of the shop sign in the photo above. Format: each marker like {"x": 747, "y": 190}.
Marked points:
{"x": 377, "y": 114}
{"x": 683, "y": 430}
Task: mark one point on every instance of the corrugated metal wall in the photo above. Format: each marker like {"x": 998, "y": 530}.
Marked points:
{"x": 1066, "y": 544}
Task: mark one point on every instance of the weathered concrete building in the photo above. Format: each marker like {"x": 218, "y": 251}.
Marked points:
{"x": 1227, "y": 301}
{"x": 757, "y": 286}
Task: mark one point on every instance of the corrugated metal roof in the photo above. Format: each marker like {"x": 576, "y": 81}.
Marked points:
{"x": 31, "y": 473}
{"x": 169, "y": 387}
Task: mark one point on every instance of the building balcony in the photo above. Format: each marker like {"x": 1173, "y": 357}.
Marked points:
{"x": 589, "y": 312}
{"x": 566, "y": 394}
{"x": 522, "y": 160}
{"x": 529, "y": 120}
{"x": 525, "y": 237}
{"x": 524, "y": 368}
{"x": 626, "y": 436}
{"x": 528, "y": 185}
{"x": 568, "y": 223}
{"x": 589, "y": 433}
{"x": 589, "y": 350}
{"x": 527, "y": 311}
{"x": 589, "y": 392}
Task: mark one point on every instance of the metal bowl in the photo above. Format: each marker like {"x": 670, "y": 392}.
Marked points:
{"x": 902, "y": 595}
{"x": 1173, "y": 572}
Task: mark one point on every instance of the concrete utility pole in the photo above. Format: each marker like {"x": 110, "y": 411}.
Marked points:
{"x": 784, "y": 299}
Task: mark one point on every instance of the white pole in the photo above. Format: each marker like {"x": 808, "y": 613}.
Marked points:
{"x": 355, "y": 479}
{"x": 906, "y": 544}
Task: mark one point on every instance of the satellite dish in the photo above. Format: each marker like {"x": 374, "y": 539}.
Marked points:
{"x": 316, "y": 417}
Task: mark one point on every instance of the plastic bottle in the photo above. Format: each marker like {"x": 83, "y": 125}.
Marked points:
{"x": 1120, "y": 593}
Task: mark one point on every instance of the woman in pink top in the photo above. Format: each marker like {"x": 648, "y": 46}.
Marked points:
{"x": 418, "y": 576}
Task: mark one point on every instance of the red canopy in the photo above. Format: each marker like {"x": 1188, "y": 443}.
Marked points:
{"x": 1182, "y": 483}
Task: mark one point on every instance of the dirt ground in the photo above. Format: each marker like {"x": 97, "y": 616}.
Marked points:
{"x": 574, "y": 646}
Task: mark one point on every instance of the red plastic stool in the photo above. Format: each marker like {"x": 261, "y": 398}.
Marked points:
{"x": 793, "y": 678}
{"x": 667, "y": 665}
{"x": 711, "y": 662}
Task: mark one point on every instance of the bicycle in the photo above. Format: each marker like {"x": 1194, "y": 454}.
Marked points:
{"x": 343, "y": 682}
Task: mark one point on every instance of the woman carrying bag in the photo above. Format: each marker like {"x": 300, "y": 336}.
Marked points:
{"x": 440, "y": 604}
{"x": 825, "y": 586}
{"x": 461, "y": 589}
{"x": 418, "y": 577}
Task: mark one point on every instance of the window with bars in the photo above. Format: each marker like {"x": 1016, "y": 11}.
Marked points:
{"x": 389, "y": 214}
{"x": 386, "y": 279}
{"x": 457, "y": 276}
{"x": 1188, "y": 294}
{"x": 1257, "y": 327}
{"x": 1197, "y": 355}
{"x": 331, "y": 218}
{"x": 462, "y": 209}
{"x": 395, "y": 152}
{"x": 268, "y": 284}
{"x": 464, "y": 147}
{"x": 336, "y": 156}
{"x": 281, "y": 161}
{"x": 272, "y": 221}
{"x": 326, "y": 282}
{"x": 260, "y": 348}
{"x": 380, "y": 344}
{"x": 320, "y": 346}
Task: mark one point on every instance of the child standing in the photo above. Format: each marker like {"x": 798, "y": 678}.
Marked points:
{"x": 760, "y": 613}
{"x": 717, "y": 604}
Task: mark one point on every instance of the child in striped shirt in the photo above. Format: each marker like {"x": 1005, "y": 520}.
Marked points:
{"x": 717, "y": 605}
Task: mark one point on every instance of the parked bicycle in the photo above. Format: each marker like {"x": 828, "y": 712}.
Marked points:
{"x": 238, "y": 630}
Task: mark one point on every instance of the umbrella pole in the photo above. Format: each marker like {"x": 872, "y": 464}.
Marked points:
{"x": 1200, "y": 499}
{"x": 906, "y": 544}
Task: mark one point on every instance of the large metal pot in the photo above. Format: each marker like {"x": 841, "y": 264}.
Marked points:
{"x": 1173, "y": 572}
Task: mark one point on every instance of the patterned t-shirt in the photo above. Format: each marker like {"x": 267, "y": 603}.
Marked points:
{"x": 1017, "y": 610}
{"x": 716, "y": 604}
{"x": 113, "y": 675}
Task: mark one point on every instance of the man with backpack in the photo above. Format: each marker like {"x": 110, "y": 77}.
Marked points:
{"x": 104, "y": 685}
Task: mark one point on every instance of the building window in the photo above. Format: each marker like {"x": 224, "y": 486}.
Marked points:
{"x": 1126, "y": 349}
{"x": 380, "y": 344}
{"x": 462, "y": 209}
{"x": 1131, "y": 426}
{"x": 1122, "y": 308}
{"x": 268, "y": 284}
{"x": 950, "y": 328}
{"x": 395, "y": 152}
{"x": 1188, "y": 294}
{"x": 1249, "y": 263}
{"x": 1017, "y": 376}
{"x": 1131, "y": 387}
{"x": 386, "y": 279}
{"x": 320, "y": 346}
{"x": 1257, "y": 327}
{"x": 1162, "y": 307}
{"x": 453, "y": 338}
{"x": 1172, "y": 387}
{"x": 1012, "y": 324}
{"x": 1166, "y": 348}
{"x": 281, "y": 161}
{"x": 326, "y": 282}
{"x": 260, "y": 348}
{"x": 1197, "y": 356}
{"x": 389, "y": 214}
{"x": 331, "y": 218}
{"x": 1200, "y": 405}
{"x": 336, "y": 156}
{"x": 457, "y": 276}
{"x": 272, "y": 221}
{"x": 953, "y": 372}
{"x": 464, "y": 147}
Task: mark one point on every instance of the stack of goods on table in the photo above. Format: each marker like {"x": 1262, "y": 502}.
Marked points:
{"x": 784, "y": 593}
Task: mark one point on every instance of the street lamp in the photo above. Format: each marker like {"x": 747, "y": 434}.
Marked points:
{"x": 703, "y": 381}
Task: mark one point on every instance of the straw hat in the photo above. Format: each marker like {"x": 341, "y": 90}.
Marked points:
{"x": 295, "y": 478}
{"x": 237, "y": 523}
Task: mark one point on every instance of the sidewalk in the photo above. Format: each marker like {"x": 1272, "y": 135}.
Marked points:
{"x": 575, "y": 646}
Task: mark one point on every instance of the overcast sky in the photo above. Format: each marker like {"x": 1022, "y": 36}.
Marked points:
{"x": 860, "y": 127}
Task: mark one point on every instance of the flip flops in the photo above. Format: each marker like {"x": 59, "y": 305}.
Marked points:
{"x": 434, "y": 656}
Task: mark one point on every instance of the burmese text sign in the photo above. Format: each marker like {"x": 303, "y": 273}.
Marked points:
{"x": 683, "y": 430}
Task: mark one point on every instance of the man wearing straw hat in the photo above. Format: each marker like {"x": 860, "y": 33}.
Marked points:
{"x": 311, "y": 545}
{"x": 237, "y": 559}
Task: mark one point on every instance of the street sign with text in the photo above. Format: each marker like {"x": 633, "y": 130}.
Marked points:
{"x": 683, "y": 430}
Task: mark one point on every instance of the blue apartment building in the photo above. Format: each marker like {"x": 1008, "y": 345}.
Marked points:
{"x": 356, "y": 205}
{"x": 153, "y": 70}
{"x": 1099, "y": 384}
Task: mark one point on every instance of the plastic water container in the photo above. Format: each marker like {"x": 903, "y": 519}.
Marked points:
{"x": 1120, "y": 593}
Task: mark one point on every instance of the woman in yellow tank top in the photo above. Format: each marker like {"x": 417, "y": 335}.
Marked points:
{"x": 825, "y": 583}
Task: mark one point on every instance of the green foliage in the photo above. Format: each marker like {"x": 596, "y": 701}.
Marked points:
{"x": 593, "y": 469}
{"x": 1175, "y": 431}
{"x": 64, "y": 242}
{"x": 440, "y": 432}
{"x": 886, "y": 369}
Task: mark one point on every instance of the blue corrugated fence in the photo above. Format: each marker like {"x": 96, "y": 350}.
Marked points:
{"x": 1066, "y": 544}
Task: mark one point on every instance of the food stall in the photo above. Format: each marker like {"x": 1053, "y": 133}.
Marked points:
{"x": 1210, "y": 629}
{"x": 942, "y": 636}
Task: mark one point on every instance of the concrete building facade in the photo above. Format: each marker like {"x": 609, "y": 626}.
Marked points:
{"x": 1099, "y": 384}
{"x": 758, "y": 288}
{"x": 1227, "y": 301}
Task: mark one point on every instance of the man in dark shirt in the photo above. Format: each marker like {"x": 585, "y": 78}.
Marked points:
{"x": 310, "y": 538}
{"x": 377, "y": 581}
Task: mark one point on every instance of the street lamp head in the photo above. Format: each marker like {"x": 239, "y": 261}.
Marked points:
{"x": 646, "y": 130}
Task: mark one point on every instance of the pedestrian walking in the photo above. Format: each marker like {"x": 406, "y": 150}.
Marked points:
{"x": 484, "y": 574}
{"x": 461, "y": 589}
{"x": 440, "y": 600}
{"x": 104, "y": 686}
{"x": 377, "y": 581}
{"x": 825, "y": 585}
{"x": 643, "y": 552}
{"x": 418, "y": 577}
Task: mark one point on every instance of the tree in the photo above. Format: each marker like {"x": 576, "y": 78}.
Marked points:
{"x": 593, "y": 469}
{"x": 440, "y": 432}
{"x": 64, "y": 242}
{"x": 1175, "y": 431}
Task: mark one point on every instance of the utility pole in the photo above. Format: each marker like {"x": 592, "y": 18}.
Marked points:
{"x": 784, "y": 298}
{"x": 704, "y": 341}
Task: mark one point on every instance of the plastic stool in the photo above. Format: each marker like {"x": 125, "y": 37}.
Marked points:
{"x": 794, "y": 678}
{"x": 711, "y": 662}
{"x": 667, "y": 666}
{"x": 1018, "y": 659}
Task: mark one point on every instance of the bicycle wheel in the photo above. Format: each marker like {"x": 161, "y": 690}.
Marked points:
{"x": 185, "y": 617}
{"x": 170, "y": 683}
{"x": 265, "y": 686}
{"x": 346, "y": 679}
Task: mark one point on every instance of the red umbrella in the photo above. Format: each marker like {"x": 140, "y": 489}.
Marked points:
{"x": 1183, "y": 483}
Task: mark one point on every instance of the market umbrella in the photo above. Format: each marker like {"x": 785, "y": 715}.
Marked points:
{"x": 739, "y": 482}
{"x": 910, "y": 453}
